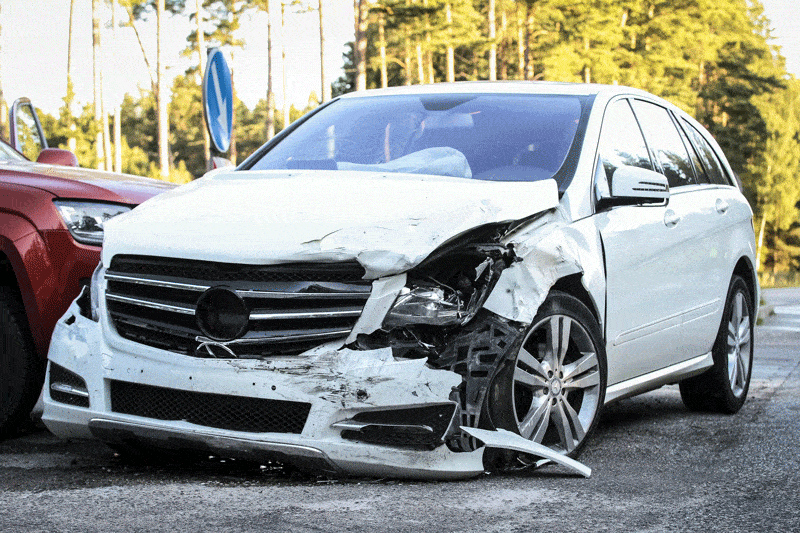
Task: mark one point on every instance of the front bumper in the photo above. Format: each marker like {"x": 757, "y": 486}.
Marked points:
{"x": 339, "y": 385}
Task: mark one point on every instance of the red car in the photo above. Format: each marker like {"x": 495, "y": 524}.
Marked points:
{"x": 51, "y": 230}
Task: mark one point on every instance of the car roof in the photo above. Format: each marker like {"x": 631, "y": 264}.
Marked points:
{"x": 507, "y": 87}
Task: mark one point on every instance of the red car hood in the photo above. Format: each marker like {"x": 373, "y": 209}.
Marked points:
{"x": 72, "y": 182}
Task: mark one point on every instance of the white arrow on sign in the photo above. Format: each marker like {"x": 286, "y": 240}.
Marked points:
{"x": 222, "y": 118}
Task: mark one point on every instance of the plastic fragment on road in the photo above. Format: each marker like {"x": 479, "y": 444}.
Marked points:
{"x": 511, "y": 441}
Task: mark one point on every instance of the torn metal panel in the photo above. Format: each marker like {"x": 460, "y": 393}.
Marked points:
{"x": 477, "y": 354}
{"x": 551, "y": 248}
{"x": 384, "y": 292}
{"x": 357, "y": 378}
{"x": 511, "y": 441}
{"x": 334, "y": 216}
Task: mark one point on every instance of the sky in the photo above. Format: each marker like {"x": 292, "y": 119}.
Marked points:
{"x": 35, "y": 34}
{"x": 33, "y": 50}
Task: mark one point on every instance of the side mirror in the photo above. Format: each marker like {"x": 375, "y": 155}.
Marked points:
{"x": 57, "y": 156}
{"x": 634, "y": 185}
{"x": 25, "y": 130}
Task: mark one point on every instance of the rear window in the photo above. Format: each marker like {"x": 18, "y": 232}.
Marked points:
{"x": 709, "y": 160}
{"x": 485, "y": 137}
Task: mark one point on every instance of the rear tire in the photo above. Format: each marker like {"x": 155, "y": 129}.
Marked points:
{"x": 723, "y": 388}
{"x": 21, "y": 369}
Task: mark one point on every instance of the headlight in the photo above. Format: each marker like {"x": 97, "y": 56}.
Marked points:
{"x": 94, "y": 288}
{"x": 425, "y": 305}
{"x": 85, "y": 220}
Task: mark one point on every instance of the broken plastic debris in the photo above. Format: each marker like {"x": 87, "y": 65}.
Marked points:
{"x": 511, "y": 441}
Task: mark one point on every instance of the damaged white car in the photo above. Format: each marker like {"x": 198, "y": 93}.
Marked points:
{"x": 408, "y": 274}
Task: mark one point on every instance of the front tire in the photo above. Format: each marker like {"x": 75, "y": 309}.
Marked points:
{"x": 723, "y": 387}
{"x": 21, "y": 370}
{"x": 552, "y": 392}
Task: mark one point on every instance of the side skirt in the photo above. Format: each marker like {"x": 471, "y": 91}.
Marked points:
{"x": 654, "y": 380}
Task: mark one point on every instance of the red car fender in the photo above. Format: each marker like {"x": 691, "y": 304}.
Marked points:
{"x": 27, "y": 254}
{"x": 48, "y": 270}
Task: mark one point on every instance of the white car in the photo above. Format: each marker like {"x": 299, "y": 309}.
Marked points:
{"x": 405, "y": 270}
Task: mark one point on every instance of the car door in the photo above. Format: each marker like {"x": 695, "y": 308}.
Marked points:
{"x": 703, "y": 247}
{"x": 648, "y": 265}
{"x": 725, "y": 218}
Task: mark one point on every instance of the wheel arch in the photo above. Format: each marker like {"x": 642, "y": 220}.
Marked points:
{"x": 744, "y": 269}
{"x": 8, "y": 276}
{"x": 573, "y": 285}
{"x": 14, "y": 278}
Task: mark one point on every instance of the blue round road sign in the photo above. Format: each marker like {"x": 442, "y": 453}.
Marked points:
{"x": 218, "y": 99}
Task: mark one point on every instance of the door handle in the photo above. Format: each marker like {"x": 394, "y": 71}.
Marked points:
{"x": 721, "y": 206}
{"x": 671, "y": 218}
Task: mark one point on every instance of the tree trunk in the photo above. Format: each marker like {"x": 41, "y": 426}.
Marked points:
{"x": 233, "y": 152}
{"x": 492, "y": 42}
{"x": 760, "y": 243}
{"x": 428, "y": 51}
{"x": 286, "y": 117}
{"x": 451, "y": 63}
{"x": 163, "y": 124}
{"x": 117, "y": 111}
{"x": 504, "y": 45}
{"x": 420, "y": 64}
{"x": 361, "y": 12}
{"x": 325, "y": 95}
{"x": 202, "y": 57}
{"x": 382, "y": 38}
{"x": 529, "y": 36}
{"x": 587, "y": 71}
{"x": 98, "y": 86}
{"x": 153, "y": 86}
{"x": 521, "y": 16}
{"x": 72, "y": 142}
{"x": 69, "y": 47}
{"x": 407, "y": 59}
{"x": 270, "y": 123}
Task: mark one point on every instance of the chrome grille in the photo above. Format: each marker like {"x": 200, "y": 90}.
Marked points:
{"x": 293, "y": 306}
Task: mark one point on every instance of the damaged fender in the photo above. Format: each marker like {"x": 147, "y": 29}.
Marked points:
{"x": 551, "y": 248}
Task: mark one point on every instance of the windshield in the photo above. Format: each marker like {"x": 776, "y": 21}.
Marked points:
{"x": 9, "y": 154}
{"x": 495, "y": 137}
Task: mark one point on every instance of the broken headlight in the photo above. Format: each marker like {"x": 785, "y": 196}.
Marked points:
{"x": 431, "y": 305}
{"x": 450, "y": 286}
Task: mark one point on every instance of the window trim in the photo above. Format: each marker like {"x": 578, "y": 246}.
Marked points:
{"x": 722, "y": 167}
{"x": 675, "y": 125}
{"x": 596, "y": 165}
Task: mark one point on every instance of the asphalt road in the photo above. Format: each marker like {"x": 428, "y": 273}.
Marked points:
{"x": 656, "y": 467}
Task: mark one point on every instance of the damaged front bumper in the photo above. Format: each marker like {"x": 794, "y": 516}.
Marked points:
{"x": 336, "y": 411}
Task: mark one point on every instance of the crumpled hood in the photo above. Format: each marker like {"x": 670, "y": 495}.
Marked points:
{"x": 388, "y": 222}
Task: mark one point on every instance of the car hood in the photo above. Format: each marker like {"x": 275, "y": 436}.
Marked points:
{"x": 387, "y": 222}
{"x": 77, "y": 182}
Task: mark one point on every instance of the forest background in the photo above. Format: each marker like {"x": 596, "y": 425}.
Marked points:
{"x": 713, "y": 58}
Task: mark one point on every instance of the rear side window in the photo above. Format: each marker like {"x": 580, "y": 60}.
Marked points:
{"x": 621, "y": 142}
{"x": 707, "y": 156}
{"x": 665, "y": 142}
{"x": 699, "y": 170}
